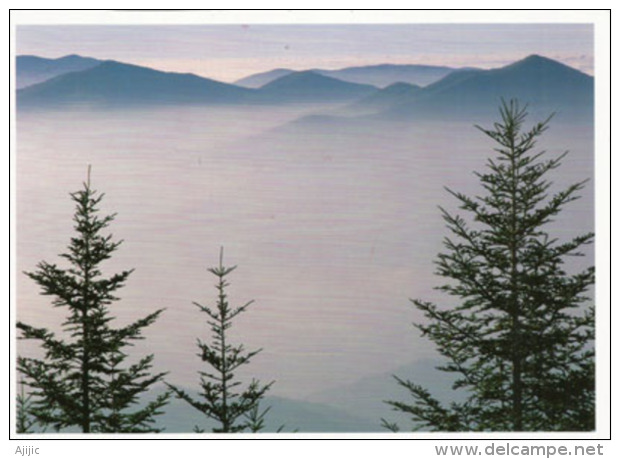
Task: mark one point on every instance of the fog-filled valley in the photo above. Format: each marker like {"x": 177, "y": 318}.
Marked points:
{"x": 329, "y": 209}
{"x": 333, "y": 228}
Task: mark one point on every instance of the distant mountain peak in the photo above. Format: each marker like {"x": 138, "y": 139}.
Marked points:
{"x": 114, "y": 83}
{"x": 536, "y": 58}
{"x": 34, "y": 69}
{"x": 377, "y": 75}
{"x": 260, "y": 79}
{"x": 536, "y": 61}
{"x": 308, "y": 85}
{"x": 74, "y": 56}
{"x": 390, "y": 95}
{"x": 301, "y": 76}
{"x": 547, "y": 85}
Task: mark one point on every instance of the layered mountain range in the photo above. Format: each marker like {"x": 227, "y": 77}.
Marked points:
{"x": 381, "y": 75}
{"x": 536, "y": 80}
{"x": 34, "y": 69}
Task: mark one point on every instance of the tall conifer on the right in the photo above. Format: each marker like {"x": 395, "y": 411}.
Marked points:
{"x": 521, "y": 339}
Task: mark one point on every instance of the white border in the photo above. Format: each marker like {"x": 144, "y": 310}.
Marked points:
{"x": 602, "y": 171}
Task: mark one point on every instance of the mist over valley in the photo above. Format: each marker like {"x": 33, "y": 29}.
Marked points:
{"x": 323, "y": 187}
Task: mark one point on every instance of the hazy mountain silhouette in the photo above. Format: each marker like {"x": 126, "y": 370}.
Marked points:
{"x": 396, "y": 93}
{"x": 287, "y": 415}
{"x": 261, "y": 79}
{"x": 304, "y": 416}
{"x": 314, "y": 417}
{"x": 115, "y": 83}
{"x": 543, "y": 83}
{"x": 366, "y": 397}
{"x": 33, "y": 69}
{"x": 384, "y": 75}
{"x": 471, "y": 95}
{"x": 381, "y": 76}
{"x": 309, "y": 86}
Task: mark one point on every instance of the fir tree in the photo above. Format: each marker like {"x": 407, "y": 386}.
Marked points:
{"x": 25, "y": 421}
{"x": 521, "y": 339}
{"x": 256, "y": 420}
{"x": 84, "y": 379}
{"x": 235, "y": 410}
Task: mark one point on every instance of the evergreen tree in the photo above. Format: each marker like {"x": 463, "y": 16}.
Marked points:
{"x": 256, "y": 420}
{"x": 25, "y": 421}
{"x": 521, "y": 339}
{"x": 84, "y": 380}
{"x": 234, "y": 410}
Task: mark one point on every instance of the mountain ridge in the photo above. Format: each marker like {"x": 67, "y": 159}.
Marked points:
{"x": 388, "y": 96}
{"x": 116, "y": 83}
{"x": 112, "y": 83}
{"x": 31, "y": 69}
{"x": 311, "y": 86}
{"x": 379, "y": 75}
{"x": 537, "y": 80}
{"x": 540, "y": 82}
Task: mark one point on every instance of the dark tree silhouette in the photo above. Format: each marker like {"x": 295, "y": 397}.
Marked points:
{"x": 235, "y": 410}
{"x": 84, "y": 379}
{"x": 521, "y": 339}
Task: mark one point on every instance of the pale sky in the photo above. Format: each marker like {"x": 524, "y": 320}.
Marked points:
{"x": 228, "y": 52}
